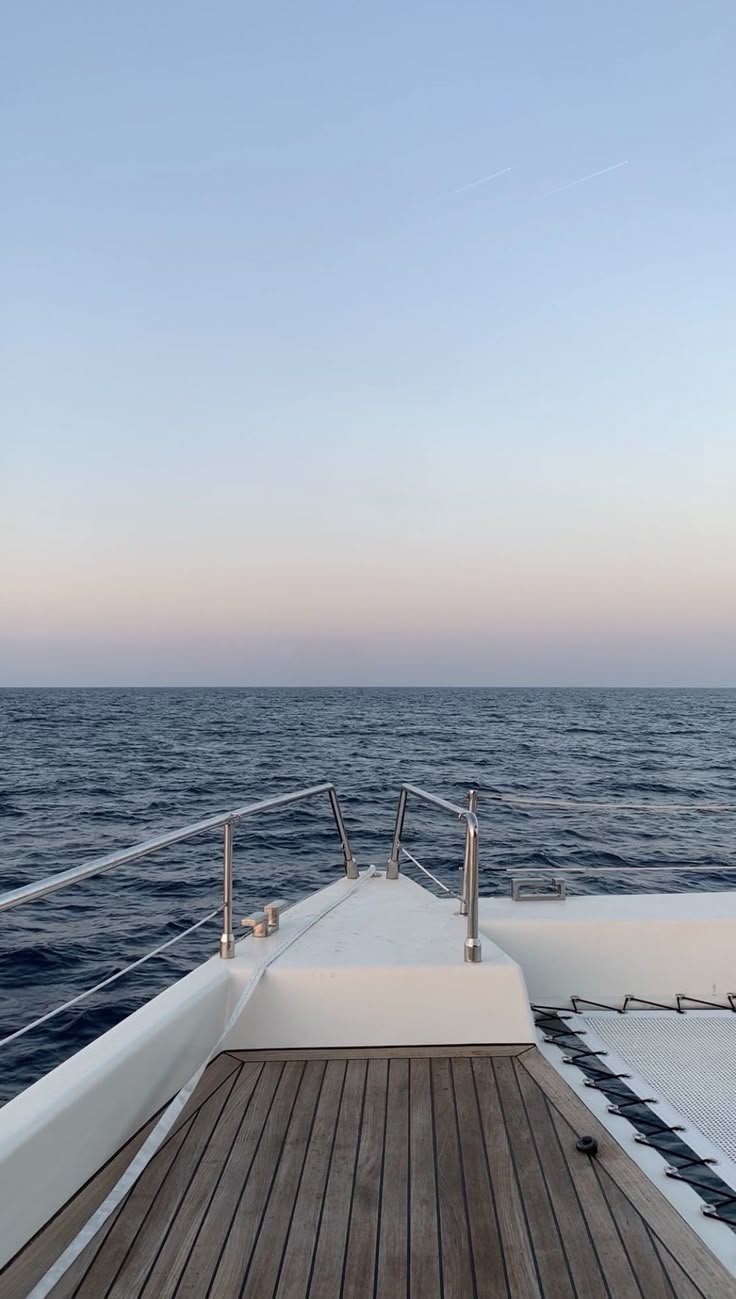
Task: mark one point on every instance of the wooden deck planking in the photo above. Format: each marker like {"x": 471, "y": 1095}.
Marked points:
{"x": 174, "y": 1239}
{"x": 682, "y": 1286}
{"x": 96, "y": 1269}
{"x": 33, "y": 1261}
{"x": 328, "y": 1251}
{"x": 635, "y": 1237}
{"x": 425, "y": 1263}
{"x": 155, "y": 1207}
{"x": 305, "y": 1225}
{"x": 577, "y": 1242}
{"x": 522, "y": 1274}
{"x": 456, "y": 1254}
{"x": 276, "y": 1220}
{"x": 540, "y": 1218}
{"x": 605, "y": 1237}
{"x": 223, "y": 1247}
{"x": 22, "y": 1273}
{"x": 392, "y": 1260}
{"x": 486, "y": 1249}
{"x": 341, "y": 1176}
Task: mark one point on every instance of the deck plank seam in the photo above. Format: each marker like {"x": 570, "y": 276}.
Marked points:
{"x": 552, "y": 1198}
{"x": 545, "y": 1182}
{"x": 566, "y": 1164}
{"x": 234, "y": 1213}
{"x": 660, "y": 1247}
{"x": 491, "y": 1187}
{"x": 515, "y": 1170}
{"x": 96, "y": 1244}
{"x": 614, "y": 1219}
{"x": 237, "y": 1068}
{"x": 274, "y": 1175}
{"x": 16, "y": 1259}
{"x": 256, "y": 1149}
{"x": 379, "y": 1207}
{"x": 440, "y": 1261}
{"x": 98, "y": 1241}
{"x": 352, "y": 1187}
{"x": 408, "y": 1180}
{"x": 519, "y": 1187}
{"x": 232, "y": 1079}
{"x": 300, "y": 1178}
{"x": 328, "y": 1171}
{"x": 206, "y": 1208}
{"x": 463, "y": 1181}
{"x": 153, "y": 1171}
{"x": 108, "y": 1228}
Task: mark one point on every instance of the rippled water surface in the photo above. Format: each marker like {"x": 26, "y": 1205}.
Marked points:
{"x": 83, "y": 772}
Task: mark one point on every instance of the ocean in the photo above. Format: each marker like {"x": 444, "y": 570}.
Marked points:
{"x": 83, "y": 772}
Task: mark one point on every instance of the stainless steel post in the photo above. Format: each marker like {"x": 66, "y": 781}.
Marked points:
{"x": 472, "y": 942}
{"x": 351, "y": 866}
{"x": 472, "y": 807}
{"x": 227, "y": 941}
{"x": 392, "y": 869}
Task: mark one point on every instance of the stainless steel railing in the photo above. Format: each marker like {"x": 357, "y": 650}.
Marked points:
{"x": 469, "y": 895}
{"x": 225, "y": 821}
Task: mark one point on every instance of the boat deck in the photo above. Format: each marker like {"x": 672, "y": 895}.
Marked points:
{"x": 439, "y": 1174}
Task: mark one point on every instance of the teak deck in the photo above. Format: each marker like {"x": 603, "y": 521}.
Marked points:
{"x": 436, "y": 1174}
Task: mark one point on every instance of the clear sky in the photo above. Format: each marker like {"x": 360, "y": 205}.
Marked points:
{"x": 287, "y": 398}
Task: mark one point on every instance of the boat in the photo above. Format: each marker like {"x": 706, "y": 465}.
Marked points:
{"x": 390, "y": 1089}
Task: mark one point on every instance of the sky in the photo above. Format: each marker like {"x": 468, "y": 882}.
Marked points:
{"x": 287, "y": 398}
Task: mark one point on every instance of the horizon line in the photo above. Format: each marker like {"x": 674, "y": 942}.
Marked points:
{"x": 551, "y": 685}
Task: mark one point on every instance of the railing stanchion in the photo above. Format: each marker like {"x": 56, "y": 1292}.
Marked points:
{"x": 472, "y": 807}
{"x": 351, "y": 866}
{"x": 472, "y": 941}
{"x": 227, "y": 942}
{"x": 392, "y": 869}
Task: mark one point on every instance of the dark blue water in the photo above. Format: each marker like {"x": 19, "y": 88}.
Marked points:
{"x": 86, "y": 771}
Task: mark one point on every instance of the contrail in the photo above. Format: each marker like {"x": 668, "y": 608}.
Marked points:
{"x": 582, "y": 179}
{"x": 475, "y": 183}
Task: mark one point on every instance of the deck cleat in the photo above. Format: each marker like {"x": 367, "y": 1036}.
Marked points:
{"x": 273, "y": 911}
{"x": 258, "y": 922}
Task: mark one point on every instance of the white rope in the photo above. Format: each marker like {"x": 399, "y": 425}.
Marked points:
{"x": 593, "y": 804}
{"x": 82, "y": 996}
{"x": 156, "y": 1137}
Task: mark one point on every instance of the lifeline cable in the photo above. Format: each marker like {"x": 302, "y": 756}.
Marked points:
{"x": 111, "y": 978}
{"x": 594, "y": 805}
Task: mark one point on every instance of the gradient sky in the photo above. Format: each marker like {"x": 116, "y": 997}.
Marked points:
{"x": 279, "y": 405}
